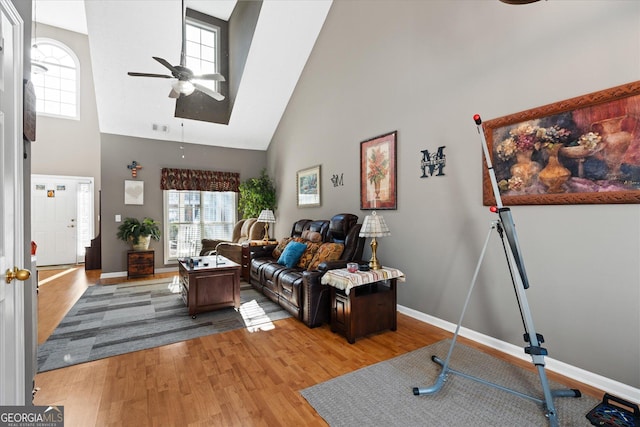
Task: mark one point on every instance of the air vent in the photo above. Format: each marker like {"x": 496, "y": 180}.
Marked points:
{"x": 160, "y": 128}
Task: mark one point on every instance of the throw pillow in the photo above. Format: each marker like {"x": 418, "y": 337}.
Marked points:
{"x": 292, "y": 254}
{"x": 277, "y": 251}
{"x": 308, "y": 254}
{"x": 326, "y": 252}
{"x": 312, "y": 236}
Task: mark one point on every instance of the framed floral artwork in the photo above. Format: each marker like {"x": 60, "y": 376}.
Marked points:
{"x": 378, "y": 189}
{"x": 308, "y": 187}
{"x": 578, "y": 151}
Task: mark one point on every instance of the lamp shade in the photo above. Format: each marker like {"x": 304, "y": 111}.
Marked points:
{"x": 374, "y": 226}
{"x": 267, "y": 216}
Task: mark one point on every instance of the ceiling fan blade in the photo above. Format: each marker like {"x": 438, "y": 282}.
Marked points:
{"x": 216, "y": 77}
{"x": 165, "y": 63}
{"x": 212, "y": 93}
{"x": 174, "y": 94}
{"x": 164, "y": 76}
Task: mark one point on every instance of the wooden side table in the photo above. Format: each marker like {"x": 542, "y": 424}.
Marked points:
{"x": 363, "y": 303}
{"x": 246, "y": 255}
{"x": 140, "y": 263}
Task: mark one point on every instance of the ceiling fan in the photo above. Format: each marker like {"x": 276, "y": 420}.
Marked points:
{"x": 186, "y": 81}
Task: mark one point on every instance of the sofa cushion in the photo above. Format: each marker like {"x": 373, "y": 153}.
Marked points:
{"x": 326, "y": 252}
{"x": 308, "y": 254}
{"x": 291, "y": 254}
{"x": 277, "y": 251}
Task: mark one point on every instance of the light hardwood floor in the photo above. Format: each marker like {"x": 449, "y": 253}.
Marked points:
{"x": 235, "y": 378}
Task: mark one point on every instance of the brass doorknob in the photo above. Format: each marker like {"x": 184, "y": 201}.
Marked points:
{"x": 17, "y": 274}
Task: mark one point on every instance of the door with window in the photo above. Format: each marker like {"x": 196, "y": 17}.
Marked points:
{"x": 61, "y": 218}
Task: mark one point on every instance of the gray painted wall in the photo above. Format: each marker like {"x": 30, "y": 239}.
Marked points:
{"x": 119, "y": 151}
{"x": 68, "y": 146}
{"x": 424, "y": 69}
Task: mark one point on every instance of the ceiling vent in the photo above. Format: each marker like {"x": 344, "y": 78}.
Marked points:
{"x": 160, "y": 128}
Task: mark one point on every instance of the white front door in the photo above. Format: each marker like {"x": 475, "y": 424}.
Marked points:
{"x": 54, "y": 219}
{"x": 12, "y": 344}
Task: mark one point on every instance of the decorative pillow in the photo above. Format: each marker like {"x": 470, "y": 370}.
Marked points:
{"x": 312, "y": 236}
{"x": 308, "y": 254}
{"x": 292, "y": 254}
{"x": 326, "y": 252}
{"x": 277, "y": 251}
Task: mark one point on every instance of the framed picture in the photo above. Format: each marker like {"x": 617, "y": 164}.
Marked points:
{"x": 308, "y": 186}
{"x": 378, "y": 172}
{"x": 578, "y": 151}
{"x": 133, "y": 192}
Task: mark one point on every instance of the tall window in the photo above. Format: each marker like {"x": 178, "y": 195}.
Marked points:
{"x": 56, "y": 90}
{"x": 202, "y": 47}
{"x": 191, "y": 216}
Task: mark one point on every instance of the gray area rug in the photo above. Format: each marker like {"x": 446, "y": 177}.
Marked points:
{"x": 382, "y": 394}
{"x": 109, "y": 320}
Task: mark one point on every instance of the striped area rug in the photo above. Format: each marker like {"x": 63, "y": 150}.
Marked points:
{"x": 109, "y": 320}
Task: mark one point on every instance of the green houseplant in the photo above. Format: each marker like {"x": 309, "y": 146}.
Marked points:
{"x": 257, "y": 194}
{"x": 138, "y": 233}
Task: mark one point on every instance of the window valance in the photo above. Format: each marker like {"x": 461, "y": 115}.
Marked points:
{"x": 200, "y": 180}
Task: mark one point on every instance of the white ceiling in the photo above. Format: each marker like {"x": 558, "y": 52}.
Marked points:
{"x": 124, "y": 35}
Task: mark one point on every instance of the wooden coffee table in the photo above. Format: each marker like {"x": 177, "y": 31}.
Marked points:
{"x": 211, "y": 285}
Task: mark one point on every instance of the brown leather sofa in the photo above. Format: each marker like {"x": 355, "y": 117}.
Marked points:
{"x": 298, "y": 289}
{"x": 245, "y": 230}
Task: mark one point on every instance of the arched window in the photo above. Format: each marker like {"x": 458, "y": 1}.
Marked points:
{"x": 57, "y": 89}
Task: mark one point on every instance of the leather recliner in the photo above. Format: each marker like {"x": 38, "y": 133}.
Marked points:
{"x": 297, "y": 290}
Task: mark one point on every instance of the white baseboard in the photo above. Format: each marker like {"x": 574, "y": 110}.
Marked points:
{"x": 610, "y": 386}
{"x": 124, "y": 273}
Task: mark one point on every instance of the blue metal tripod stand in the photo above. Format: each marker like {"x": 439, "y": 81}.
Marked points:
{"x": 505, "y": 228}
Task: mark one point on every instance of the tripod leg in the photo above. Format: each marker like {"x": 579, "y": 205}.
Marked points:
{"x": 445, "y": 367}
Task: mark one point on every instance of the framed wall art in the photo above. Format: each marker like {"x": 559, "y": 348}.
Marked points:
{"x": 378, "y": 175}
{"x": 133, "y": 192}
{"x": 308, "y": 187}
{"x": 578, "y": 151}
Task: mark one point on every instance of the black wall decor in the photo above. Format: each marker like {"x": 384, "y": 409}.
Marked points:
{"x": 433, "y": 163}
{"x": 337, "y": 180}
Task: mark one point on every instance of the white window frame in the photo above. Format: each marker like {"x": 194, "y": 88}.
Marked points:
{"x": 168, "y": 259}
{"x": 74, "y": 57}
{"x": 204, "y": 26}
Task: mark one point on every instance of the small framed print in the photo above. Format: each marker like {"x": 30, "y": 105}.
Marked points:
{"x": 133, "y": 192}
{"x": 308, "y": 186}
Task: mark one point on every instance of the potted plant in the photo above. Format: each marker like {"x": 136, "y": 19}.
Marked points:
{"x": 138, "y": 233}
{"x": 257, "y": 194}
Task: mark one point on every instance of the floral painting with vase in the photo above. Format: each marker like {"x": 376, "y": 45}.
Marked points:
{"x": 581, "y": 150}
{"x": 378, "y": 172}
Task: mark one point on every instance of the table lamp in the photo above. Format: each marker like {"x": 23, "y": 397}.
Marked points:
{"x": 267, "y": 217}
{"x": 374, "y": 226}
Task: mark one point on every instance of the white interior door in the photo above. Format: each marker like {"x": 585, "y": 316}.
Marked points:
{"x": 12, "y": 344}
{"x": 54, "y": 219}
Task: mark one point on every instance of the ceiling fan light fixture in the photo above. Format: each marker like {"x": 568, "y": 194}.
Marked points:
{"x": 184, "y": 87}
